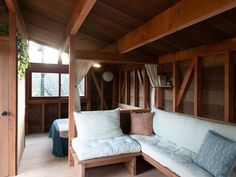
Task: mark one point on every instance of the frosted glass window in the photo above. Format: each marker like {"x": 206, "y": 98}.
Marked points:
{"x": 45, "y": 84}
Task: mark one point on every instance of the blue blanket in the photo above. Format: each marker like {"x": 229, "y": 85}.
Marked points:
{"x": 60, "y": 145}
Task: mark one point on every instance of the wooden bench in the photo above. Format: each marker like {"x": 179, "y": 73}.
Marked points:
{"x": 129, "y": 161}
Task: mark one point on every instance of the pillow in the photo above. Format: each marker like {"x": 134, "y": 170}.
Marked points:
{"x": 96, "y": 125}
{"x": 217, "y": 155}
{"x": 141, "y": 123}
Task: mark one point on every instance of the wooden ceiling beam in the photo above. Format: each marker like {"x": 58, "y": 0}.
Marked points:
{"x": 211, "y": 49}
{"x": 20, "y": 23}
{"x": 182, "y": 15}
{"x": 79, "y": 14}
{"x": 107, "y": 57}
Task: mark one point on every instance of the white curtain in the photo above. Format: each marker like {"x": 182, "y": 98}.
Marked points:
{"x": 153, "y": 77}
{"x": 81, "y": 70}
{"x": 152, "y": 74}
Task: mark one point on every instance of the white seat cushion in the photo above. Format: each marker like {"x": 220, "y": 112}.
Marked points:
{"x": 186, "y": 131}
{"x": 90, "y": 149}
{"x": 178, "y": 160}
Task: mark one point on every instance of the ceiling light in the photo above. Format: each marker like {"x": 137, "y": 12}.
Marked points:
{"x": 96, "y": 65}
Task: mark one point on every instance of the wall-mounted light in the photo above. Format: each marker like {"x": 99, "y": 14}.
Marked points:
{"x": 108, "y": 76}
{"x": 97, "y": 65}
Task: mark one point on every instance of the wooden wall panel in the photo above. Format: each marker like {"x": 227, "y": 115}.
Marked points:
{"x": 234, "y": 89}
{"x": 165, "y": 95}
{"x": 34, "y": 115}
{"x": 132, "y": 87}
{"x": 109, "y": 93}
{"x": 64, "y": 110}
{"x": 186, "y": 106}
{"x": 51, "y": 113}
{"x": 212, "y": 89}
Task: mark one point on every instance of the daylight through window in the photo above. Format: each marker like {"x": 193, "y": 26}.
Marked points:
{"x": 52, "y": 85}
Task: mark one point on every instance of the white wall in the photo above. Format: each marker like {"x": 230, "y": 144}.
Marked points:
{"x": 20, "y": 120}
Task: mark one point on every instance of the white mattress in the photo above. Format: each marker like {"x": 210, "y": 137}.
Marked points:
{"x": 178, "y": 160}
{"x": 90, "y": 149}
{"x": 63, "y": 127}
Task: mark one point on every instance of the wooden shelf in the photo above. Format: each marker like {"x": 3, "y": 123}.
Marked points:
{"x": 165, "y": 86}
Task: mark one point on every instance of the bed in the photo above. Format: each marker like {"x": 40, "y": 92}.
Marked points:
{"x": 59, "y": 134}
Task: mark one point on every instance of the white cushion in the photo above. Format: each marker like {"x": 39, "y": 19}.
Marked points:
{"x": 90, "y": 149}
{"x": 186, "y": 131}
{"x": 178, "y": 160}
{"x": 95, "y": 125}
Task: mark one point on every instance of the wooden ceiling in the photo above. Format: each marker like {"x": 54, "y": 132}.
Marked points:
{"x": 46, "y": 20}
{"x": 110, "y": 20}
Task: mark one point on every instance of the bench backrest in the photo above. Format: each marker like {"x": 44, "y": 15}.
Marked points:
{"x": 187, "y": 131}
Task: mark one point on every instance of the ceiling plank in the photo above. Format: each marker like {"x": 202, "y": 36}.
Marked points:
{"x": 79, "y": 14}
{"x": 108, "y": 57}
{"x": 182, "y": 15}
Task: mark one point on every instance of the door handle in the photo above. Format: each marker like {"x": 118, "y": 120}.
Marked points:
{"x": 4, "y": 113}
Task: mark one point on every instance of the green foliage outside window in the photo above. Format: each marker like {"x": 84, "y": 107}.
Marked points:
{"x": 22, "y": 50}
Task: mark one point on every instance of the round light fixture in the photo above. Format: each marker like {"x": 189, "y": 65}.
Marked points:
{"x": 96, "y": 65}
{"x": 107, "y": 76}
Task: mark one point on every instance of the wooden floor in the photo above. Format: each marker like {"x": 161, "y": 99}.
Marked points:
{"x": 38, "y": 161}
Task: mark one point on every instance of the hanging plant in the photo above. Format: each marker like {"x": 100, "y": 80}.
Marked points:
{"x": 22, "y": 50}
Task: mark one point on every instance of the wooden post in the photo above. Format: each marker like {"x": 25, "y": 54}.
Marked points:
{"x": 197, "y": 85}
{"x": 175, "y": 85}
{"x": 229, "y": 80}
{"x": 72, "y": 42}
{"x": 160, "y": 99}
{"x": 136, "y": 89}
{"x": 12, "y": 95}
{"x": 128, "y": 88}
{"x": 102, "y": 91}
{"x": 88, "y": 89}
{"x": 146, "y": 90}
{"x": 43, "y": 118}
{"x": 120, "y": 86}
{"x": 114, "y": 95}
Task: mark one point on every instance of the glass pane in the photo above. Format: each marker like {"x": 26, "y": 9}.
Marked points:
{"x": 45, "y": 84}
{"x": 82, "y": 88}
{"x": 65, "y": 59}
{"x": 35, "y": 52}
{"x": 42, "y": 54}
{"x": 64, "y": 84}
{"x": 50, "y": 55}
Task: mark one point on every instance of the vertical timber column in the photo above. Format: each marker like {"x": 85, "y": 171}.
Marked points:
{"x": 12, "y": 94}
{"x": 175, "y": 85}
{"x": 128, "y": 88}
{"x": 229, "y": 82}
{"x": 72, "y": 41}
{"x": 136, "y": 89}
{"x": 197, "y": 85}
{"x": 146, "y": 90}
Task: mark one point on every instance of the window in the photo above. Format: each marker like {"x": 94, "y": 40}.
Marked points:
{"x": 45, "y": 84}
{"x": 52, "y": 85}
{"x": 64, "y": 84}
{"x": 65, "y": 59}
{"x": 44, "y": 54}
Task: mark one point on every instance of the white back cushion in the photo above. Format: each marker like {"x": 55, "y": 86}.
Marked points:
{"x": 96, "y": 125}
{"x": 187, "y": 131}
